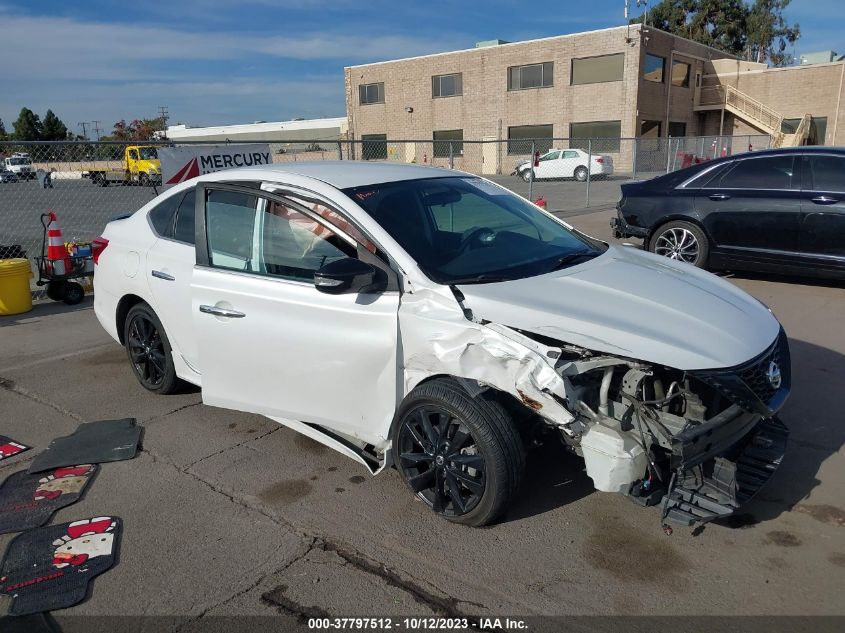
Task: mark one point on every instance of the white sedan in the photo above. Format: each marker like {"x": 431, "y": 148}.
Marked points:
{"x": 434, "y": 321}
{"x": 566, "y": 163}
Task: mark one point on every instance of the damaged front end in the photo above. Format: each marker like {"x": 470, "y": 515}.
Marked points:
{"x": 699, "y": 443}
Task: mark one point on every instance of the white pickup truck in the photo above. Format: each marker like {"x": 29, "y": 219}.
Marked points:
{"x": 20, "y": 164}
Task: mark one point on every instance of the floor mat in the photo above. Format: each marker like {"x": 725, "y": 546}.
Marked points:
{"x": 29, "y": 500}
{"x": 50, "y": 567}
{"x": 91, "y": 443}
{"x": 9, "y": 447}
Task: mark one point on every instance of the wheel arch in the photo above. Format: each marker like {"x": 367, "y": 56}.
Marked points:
{"x": 126, "y": 303}
{"x": 674, "y": 217}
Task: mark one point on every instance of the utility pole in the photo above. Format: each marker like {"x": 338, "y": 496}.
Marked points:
{"x": 97, "y": 129}
{"x": 163, "y": 115}
{"x": 84, "y": 126}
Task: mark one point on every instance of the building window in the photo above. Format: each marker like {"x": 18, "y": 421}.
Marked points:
{"x": 521, "y": 136}
{"x": 594, "y": 70}
{"x": 677, "y": 128}
{"x": 680, "y": 74}
{"x": 604, "y": 135}
{"x": 374, "y": 146}
{"x": 653, "y": 68}
{"x": 444, "y": 138}
{"x": 531, "y": 76}
{"x": 371, "y": 93}
{"x": 650, "y": 129}
{"x": 818, "y": 129}
{"x": 447, "y": 85}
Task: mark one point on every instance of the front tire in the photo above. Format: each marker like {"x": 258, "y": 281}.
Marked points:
{"x": 72, "y": 293}
{"x": 149, "y": 351}
{"x": 682, "y": 241}
{"x": 526, "y": 175}
{"x": 462, "y": 456}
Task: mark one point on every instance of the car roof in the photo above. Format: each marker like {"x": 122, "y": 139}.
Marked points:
{"x": 338, "y": 173}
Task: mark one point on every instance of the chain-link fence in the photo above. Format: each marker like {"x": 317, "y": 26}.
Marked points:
{"x": 86, "y": 184}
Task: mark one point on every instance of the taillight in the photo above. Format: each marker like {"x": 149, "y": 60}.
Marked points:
{"x": 600, "y": 160}
{"x": 98, "y": 245}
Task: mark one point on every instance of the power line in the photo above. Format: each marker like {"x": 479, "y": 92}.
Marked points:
{"x": 97, "y": 129}
{"x": 84, "y": 126}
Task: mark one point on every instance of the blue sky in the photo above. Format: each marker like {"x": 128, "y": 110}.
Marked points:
{"x": 219, "y": 61}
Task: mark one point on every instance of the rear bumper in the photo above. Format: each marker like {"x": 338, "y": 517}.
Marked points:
{"x": 719, "y": 486}
{"x": 622, "y": 229}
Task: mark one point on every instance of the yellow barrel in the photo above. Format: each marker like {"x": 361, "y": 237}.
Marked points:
{"x": 15, "y": 296}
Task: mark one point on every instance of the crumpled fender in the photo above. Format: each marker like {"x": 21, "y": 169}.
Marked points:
{"x": 438, "y": 339}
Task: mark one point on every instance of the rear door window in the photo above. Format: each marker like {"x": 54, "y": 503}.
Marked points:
{"x": 772, "y": 172}
{"x": 185, "y": 218}
{"x": 827, "y": 173}
{"x": 163, "y": 214}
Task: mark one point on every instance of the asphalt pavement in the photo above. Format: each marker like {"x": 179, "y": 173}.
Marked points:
{"x": 229, "y": 514}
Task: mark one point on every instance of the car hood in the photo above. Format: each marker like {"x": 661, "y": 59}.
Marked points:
{"x": 634, "y": 304}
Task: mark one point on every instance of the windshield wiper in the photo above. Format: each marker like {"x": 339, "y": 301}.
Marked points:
{"x": 479, "y": 279}
{"x": 570, "y": 258}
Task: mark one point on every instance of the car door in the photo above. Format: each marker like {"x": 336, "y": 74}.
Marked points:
{"x": 752, "y": 210}
{"x": 570, "y": 160}
{"x": 170, "y": 263}
{"x": 546, "y": 165}
{"x": 269, "y": 341}
{"x": 822, "y": 233}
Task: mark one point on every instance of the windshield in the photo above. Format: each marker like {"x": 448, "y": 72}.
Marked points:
{"x": 466, "y": 230}
{"x": 19, "y": 161}
{"x": 148, "y": 153}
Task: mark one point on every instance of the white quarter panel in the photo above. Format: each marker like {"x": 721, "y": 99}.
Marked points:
{"x": 298, "y": 353}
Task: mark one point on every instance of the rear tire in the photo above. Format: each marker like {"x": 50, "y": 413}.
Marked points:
{"x": 581, "y": 174}
{"x": 56, "y": 290}
{"x": 149, "y": 351}
{"x": 73, "y": 293}
{"x": 681, "y": 241}
{"x": 462, "y": 456}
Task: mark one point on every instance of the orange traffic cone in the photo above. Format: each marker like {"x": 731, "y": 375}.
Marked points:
{"x": 57, "y": 253}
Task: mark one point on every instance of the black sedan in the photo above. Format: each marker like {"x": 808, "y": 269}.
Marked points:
{"x": 780, "y": 210}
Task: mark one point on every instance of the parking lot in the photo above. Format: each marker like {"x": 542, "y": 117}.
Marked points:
{"x": 230, "y": 514}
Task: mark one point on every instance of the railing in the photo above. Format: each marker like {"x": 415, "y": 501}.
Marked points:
{"x": 740, "y": 103}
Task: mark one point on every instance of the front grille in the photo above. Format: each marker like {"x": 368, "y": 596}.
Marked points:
{"x": 748, "y": 385}
{"x": 755, "y": 375}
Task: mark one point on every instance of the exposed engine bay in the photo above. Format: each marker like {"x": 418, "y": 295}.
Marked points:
{"x": 699, "y": 443}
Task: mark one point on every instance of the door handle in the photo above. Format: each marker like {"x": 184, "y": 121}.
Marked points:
{"x": 824, "y": 200}
{"x": 160, "y": 275}
{"x": 221, "y": 312}
{"x": 719, "y": 196}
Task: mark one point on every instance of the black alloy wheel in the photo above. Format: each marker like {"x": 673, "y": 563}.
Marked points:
{"x": 460, "y": 454}
{"x": 441, "y": 461}
{"x": 149, "y": 350}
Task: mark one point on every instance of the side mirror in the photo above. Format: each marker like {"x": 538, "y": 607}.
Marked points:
{"x": 344, "y": 276}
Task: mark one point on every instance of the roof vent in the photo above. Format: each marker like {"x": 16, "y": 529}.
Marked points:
{"x": 488, "y": 43}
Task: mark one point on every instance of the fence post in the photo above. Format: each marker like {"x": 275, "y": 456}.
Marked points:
{"x": 589, "y": 169}
{"x": 451, "y": 157}
{"x": 531, "y": 175}
{"x": 339, "y": 151}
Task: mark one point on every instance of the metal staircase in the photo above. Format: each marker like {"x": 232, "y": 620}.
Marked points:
{"x": 729, "y": 99}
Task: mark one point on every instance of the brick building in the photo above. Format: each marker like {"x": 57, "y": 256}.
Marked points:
{"x": 623, "y": 82}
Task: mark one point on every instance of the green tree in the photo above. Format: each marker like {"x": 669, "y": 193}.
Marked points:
{"x": 3, "y": 135}
{"x": 52, "y": 128}
{"x": 769, "y": 34}
{"x": 28, "y": 126}
{"x": 757, "y": 32}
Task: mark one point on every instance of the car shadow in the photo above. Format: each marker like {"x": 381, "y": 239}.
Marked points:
{"x": 555, "y": 477}
{"x": 46, "y": 308}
